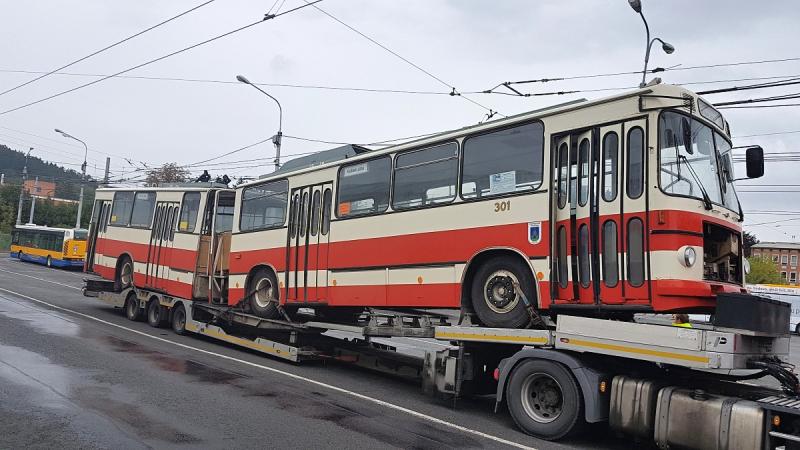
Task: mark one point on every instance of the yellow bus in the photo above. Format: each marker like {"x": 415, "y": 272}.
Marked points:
{"x": 54, "y": 247}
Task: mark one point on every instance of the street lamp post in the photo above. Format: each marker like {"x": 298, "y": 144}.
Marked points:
{"x": 668, "y": 48}
{"x": 22, "y": 188}
{"x": 277, "y": 138}
{"x": 83, "y": 176}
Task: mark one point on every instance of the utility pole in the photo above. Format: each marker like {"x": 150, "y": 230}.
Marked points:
{"x": 108, "y": 168}
{"x": 83, "y": 176}
{"x": 33, "y": 199}
{"x": 22, "y": 188}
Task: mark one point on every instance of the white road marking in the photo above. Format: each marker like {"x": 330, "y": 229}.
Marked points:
{"x": 383, "y": 403}
{"x": 41, "y": 279}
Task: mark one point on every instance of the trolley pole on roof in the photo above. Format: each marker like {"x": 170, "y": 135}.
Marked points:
{"x": 22, "y": 188}
{"x": 83, "y": 176}
{"x": 668, "y": 48}
{"x": 277, "y": 138}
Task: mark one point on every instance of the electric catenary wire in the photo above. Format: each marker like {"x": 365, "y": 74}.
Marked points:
{"x": 107, "y": 47}
{"x": 160, "y": 58}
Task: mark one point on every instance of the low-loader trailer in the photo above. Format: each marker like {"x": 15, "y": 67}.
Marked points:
{"x": 651, "y": 381}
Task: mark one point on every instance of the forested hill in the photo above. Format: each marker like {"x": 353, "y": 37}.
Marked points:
{"x": 67, "y": 180}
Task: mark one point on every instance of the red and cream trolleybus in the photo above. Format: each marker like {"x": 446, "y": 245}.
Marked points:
{"x": 608, "y": 207}
{"x": 171, "y": 240}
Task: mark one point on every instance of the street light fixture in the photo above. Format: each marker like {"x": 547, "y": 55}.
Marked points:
{"x": 668, "y": 48}
{"x": 277, "y": 138}
{"x": 83, "y": 170}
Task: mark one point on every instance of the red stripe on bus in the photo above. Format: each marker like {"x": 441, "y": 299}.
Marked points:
{"x": 173, "y": 257}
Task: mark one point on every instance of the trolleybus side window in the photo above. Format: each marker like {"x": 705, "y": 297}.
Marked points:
{"x": 264, "y": 206}
{"x": 635, "y": 252}
{"x": 121, "y": 210}
{"x": 425, "y": 177}
{"x": 635, "y": 167}
{"x": 144, "y": 205}
{"x": 563, "y": 176}
{"x": 610, "y": 155}
{"x": 294, "y": 215}
{"x": 304, "y": 214}
{"x": 610, "y": 265}
{"x": 583, "y": 172}
{"x": 189, "y": 210}
{"x": 503, "y": 161}
{"x": 364, "y": 188}
{"x": 562, "y": 257}
{"x": 326, "y": 212}
{"x": 583, "y": 255}
{"x": 315, "y": 214}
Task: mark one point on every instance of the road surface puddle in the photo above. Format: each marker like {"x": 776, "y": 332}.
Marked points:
{"x": 42, "y": 320}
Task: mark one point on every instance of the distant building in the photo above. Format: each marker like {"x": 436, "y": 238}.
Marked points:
{"x": 784, "y": 255}
{"x": 44, "y": 189}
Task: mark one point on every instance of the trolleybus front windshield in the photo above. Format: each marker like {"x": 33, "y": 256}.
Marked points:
{"x": 689, "y": 169}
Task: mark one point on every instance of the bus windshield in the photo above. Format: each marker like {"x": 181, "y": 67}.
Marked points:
{"x": 689, "y": 168}
{"x": 81, "y": 234}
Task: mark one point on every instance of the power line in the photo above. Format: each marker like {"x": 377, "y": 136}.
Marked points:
{"x": 766, "y": 134}
{"x": 453, "y": 92}
{"x": 160, "y": 58}
{"x": 760, "y": 106}
{"x": 106, "y": 48}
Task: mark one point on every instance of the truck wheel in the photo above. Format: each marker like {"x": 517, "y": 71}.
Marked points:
{"x": 544, "y": 400}
{"x": 155, "y": 313}
{"x": 263, "y": 289}
{"x": 797, "y": 329}
{"x": 494, "y": 297}
{"x": 178, "y": 321}
{"x": 124, "y": 277}
{"x": 132, "y": 310}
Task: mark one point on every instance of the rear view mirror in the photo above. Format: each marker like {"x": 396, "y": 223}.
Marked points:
{"x": 686, "y": 132}
{"x": 755, "y": 162}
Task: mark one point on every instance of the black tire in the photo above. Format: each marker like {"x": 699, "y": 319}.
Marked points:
{"x": 155, "y": 313}
{"x": 49, "y": 261}
{"x": 264, "y": 290}
{"x": 797, "y": 329}
{"x": 123, "y": 279}
{"x": 494, "y": 298}
{"x": 132, "y": 310}
{"x": 544, "y": 400}
{"x": 178, "y": 319}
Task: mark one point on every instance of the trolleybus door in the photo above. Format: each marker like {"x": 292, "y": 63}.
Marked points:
{"x": 160, "y": 245}
{"x": 307, "y": 253}
{"x": 610, "y": 191}
{"x": 634, "y": 224}
{"x": 582, "y": 200}
{"x": 561, "y": 230}
{"x": 97, "y": 232}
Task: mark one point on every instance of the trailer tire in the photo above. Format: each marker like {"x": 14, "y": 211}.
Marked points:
{"x": 155, "y": 313}
{"x": 544, "y": 400}
{"x": 178, "y": 319}
{"x": 797, "y": 329}
{"x": 132, "y": 310}
{"x": 264, "y": 297}
{"x": 493, "y": 297}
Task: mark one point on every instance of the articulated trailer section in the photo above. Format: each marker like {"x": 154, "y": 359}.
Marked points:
{"x": 675, "y": 386}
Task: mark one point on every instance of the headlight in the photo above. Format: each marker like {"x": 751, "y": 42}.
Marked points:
{"x": 746, "y": 265}
{"x": 687, "y": 256}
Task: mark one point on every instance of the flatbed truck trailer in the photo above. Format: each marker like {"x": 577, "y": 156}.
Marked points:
{"x": 651, "y": 382}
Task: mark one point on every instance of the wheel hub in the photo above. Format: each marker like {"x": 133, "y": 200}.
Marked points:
{"x": 542, "y": 399}
{"x": 264, "y": 293}
{"x": 499, "y": 292}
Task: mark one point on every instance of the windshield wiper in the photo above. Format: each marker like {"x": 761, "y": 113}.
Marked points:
{"x": 706, "y": 199}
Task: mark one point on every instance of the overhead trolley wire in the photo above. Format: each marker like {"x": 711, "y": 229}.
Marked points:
{"x": 453, "y": 91}
{"x": 108, "y": 47}
{"x": 160, "y": 58}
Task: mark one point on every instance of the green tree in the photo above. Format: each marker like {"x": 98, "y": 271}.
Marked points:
{"x": 168, "y": 173}
{"x": 763, "y": 271}
{"x": 749, "y": 240}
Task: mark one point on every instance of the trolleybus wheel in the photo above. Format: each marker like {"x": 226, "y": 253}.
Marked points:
{"x": 494, "y": 296}
{"x": 155, "y": 313}
{"x": 125, "y": 274}
{"x": 132, "y": 310}
{"x": 178, "y": 321}
{"x": 49, "y": 261}
{"x": 544, "y": 400}
{"x": 263, "y": 290}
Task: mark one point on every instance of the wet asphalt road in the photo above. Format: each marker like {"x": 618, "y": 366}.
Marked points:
{"x": 72, "y": 379}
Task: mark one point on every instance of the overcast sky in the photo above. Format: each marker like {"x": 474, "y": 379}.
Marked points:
{"x": 469, "y": 44}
